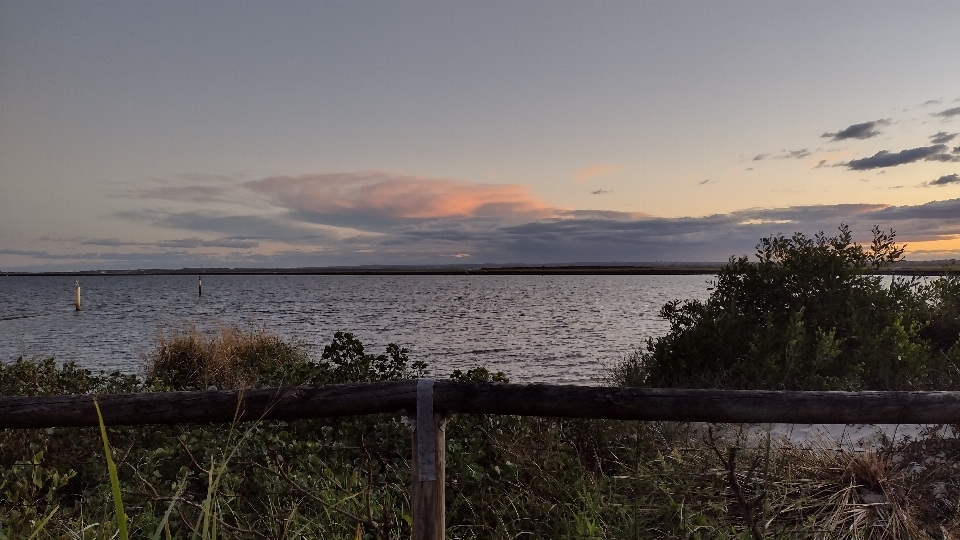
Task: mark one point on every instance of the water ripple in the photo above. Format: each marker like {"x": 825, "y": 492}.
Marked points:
{"x": 559, "y": 329}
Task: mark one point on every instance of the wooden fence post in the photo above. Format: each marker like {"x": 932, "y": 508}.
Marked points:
{"x": 428, "y": 468}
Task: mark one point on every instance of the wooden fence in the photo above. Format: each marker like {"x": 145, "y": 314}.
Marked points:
{"x": 431, "y": 402}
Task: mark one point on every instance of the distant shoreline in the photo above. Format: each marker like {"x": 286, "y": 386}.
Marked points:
{"x": 918, "y": 268}
{"x": 399, "y": 271}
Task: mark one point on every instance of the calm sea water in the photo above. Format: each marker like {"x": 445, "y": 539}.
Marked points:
{"x": 558, "y": 329}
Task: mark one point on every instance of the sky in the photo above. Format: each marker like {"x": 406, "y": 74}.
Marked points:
{"x": 336, "y": 133}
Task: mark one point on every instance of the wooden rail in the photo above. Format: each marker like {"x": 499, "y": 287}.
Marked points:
{"x": 430, "y": 402}
{"x": 290, "y": 403}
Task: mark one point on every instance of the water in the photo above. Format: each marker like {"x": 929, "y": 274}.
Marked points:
{"x": 557, "y": 329}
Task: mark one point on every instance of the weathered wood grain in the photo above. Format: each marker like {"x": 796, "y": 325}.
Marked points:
{"x": 735, "y": 406}
{"x": 427, "y": 497}
{"x": 287, "y": 403}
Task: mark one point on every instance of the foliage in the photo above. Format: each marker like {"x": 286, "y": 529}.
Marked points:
{"x": 507, "y": 477}
{"x": 810, "y": 313}
{"x": 479, "y": 374}
{"x": 230, "y": 358}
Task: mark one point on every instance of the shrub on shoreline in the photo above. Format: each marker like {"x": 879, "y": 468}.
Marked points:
{"x": 809, "y": 314}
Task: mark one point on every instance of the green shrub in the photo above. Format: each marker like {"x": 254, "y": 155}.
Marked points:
{"x": 810, "y": 314}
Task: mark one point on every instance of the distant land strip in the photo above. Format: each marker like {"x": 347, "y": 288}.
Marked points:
{"x": 563, "y": 270}
{"x": 909, "y": 268}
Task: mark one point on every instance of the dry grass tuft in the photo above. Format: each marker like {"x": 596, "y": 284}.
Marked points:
{"x": 229, "y": 358}
{"x": 855, "y": 495}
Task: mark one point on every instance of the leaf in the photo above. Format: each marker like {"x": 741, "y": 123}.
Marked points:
{"x": 121, "y": 516}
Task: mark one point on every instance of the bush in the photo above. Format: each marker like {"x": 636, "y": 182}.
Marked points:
{"x": 809, "y": 314}
{"x": 230, "y": 358}
{"x": 237, "y": 358}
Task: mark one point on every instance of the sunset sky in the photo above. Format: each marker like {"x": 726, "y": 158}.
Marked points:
{"x": 254, "y": 134}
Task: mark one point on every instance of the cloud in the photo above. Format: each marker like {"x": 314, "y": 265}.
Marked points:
{"x": 567, "y": 236}
{"x": 241, "y": 230}
{"x": 109, "y": 242}
{"x": 784, "y": 154}
{"x": 135, "y": 256}
{"x": 706, "y": 181}
{"x": 931, "y": 102}
{"x": 596, "y": 171}
{"x": 942, "y": 137}
{"x": 795, "y": 154}
{"x": 947, "y": 212}
{"x": 181, "y": 193}
{"x": 187, "y": 187}
{"x": 864, "y": 130}
{"x": 943, "y": 180}
{"x": 601, "y": 191}
{"x": 375, "y": 199}
{"x": 176, "y": 243}
{"x": 234, "y": 243}
{"x": 885, "y": 158}
{"x": 949, "y": 113}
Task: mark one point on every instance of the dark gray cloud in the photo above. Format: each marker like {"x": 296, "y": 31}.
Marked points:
{"x": 948, "y": 113}
{"x": 106, "y": 242}
{"x": 630, "y": 237}
{"x": 238, "y": 243}
{"x": 944, "y": 180}
{"x": 886, "y": 158}
{"x": 784, "y": 154}
{"x": 138, "y": 256}
{"x": 574, "y": 236}
{"x": 947, "y": 211}
{"x": 942, "y": 137}
{"x": 237, "y": 228}
{"x": 932, "y": 102}
{"x": 864, "y": 130}
{"x": 601, "y": 191}
{"x": 795, "y": 154}
{"x": 233, "y": 243}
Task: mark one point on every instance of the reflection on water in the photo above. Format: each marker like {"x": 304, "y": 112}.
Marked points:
{"x": 559, "y": 329}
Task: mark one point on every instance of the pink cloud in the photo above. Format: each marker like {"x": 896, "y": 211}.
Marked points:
{"x": 596, "y": 171}
{"x": 399, "y": 196}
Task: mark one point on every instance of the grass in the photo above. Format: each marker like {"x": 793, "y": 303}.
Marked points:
{"x": 120, "y": 515}
{"x": 229, "y": 358}
{"x": 507, "y": 477}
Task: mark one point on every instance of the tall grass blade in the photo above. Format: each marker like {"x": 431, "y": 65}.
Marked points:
{"x": 43, "y": 522}
{"x": 164, "y": 523}
{"x": 114, "y": 478}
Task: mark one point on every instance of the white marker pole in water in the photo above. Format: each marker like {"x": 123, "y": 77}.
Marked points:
{"x": 78, "y": 294}
{"x": 199, "y": 286}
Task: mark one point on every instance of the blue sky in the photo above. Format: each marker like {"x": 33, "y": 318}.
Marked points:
{"x": 175, "y": 134}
